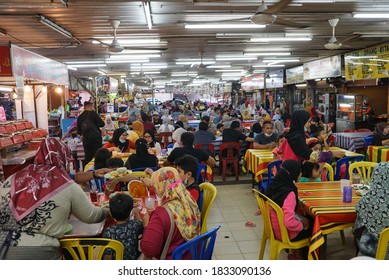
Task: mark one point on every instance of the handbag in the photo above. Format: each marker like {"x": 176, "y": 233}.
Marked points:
{"x": 168, "y": 240}
{"x": 5, "y": 245}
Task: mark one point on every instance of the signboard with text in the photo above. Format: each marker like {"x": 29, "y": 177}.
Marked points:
{"x": 323, "y": 68}
{"x": 295, "y": 75}
{"x": 5, "y": 62}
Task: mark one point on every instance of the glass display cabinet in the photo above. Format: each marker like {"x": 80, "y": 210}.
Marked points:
{"x": 348, "y": 111}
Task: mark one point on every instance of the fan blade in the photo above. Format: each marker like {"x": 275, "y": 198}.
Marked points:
{"x": 278, "y": 7}
{"x": 350, "y": 38}
{"x": 101, "y": 42}
{"x": 223, "y": 20}
{"x": 289, "y": 23}
{"x": 145, "y": 49}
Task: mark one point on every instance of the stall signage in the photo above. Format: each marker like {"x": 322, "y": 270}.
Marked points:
{"x": 323, "y": 68}
{"x": 33, "y": 66}
{"x": 276, "y": 79}
{"x": 253, "y": 82}
{"x": 370, "y": 63}
{"x": 5, "y": 62}
{"x": 295, "y": 75}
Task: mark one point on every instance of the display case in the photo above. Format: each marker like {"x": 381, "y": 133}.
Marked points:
{"x": 348, "y": 112}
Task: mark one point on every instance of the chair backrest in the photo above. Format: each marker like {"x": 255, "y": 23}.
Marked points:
{"x": 140, "y": 174}
{"x": 208, "y": 148}
{"x": 163, "y": 139}
{"x": 143, "y": 168}
{"x": 349, "y": 130}
{"x": 261, "y": 200}
{"x": 364, "y": 169}
{"x": 346, "y": 161}
{"x": 201, "y": 175}
{"x": 229, "y": 147}
{"x": 363, "y": 130}
{"x": 368, "y": 140}
{"x": 270, "y": 167}
{"x": 209, "y": 195}
{"x": 170, "y": 146}
{"x": 329, "y": 175}
{"x": 382, "y": 246}
{"x": 200, "y": 247}
{"x": 90, "y": 248}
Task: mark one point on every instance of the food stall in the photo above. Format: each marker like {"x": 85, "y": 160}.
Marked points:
{"x": 348, "y": 112}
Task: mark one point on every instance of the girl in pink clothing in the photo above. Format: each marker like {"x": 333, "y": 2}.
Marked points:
{"x": 283, "y": 191}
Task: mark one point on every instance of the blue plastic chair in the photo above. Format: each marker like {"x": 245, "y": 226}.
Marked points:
{"x": 143, "y": 168}
{"x": 201, "y": 199}
{"x": 368, "y": 140}
{"x": 97, "y": 184}
{"x": 170, "y": 146}
{"x": 266, "y": 182}
{"x": 347, "y": 161}
{"x": 201, "y": 175}
{"x": 200, "y": 247}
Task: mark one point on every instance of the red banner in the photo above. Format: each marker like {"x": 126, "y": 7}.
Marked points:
{"x": 5, "y": 62}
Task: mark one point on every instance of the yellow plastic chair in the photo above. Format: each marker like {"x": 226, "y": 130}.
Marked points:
{"x": 141, "y": 174}
{"x": 277, "y": 245}
{"x": 364, "y": 169}
{"x": 90, "y": 248}
{"x": 330, "y": 170}
{"x": 382, "y": 244}
{"x": 266, "y": 223}
{"x": 209, "y": 192}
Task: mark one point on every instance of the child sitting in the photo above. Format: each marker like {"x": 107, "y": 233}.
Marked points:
{"x": 127, "y": 231}
{"x": 277, "y": 154}
{"x": 322, "y": 136}
{"x": 220, "y": 128}
{"x": 311, "y": 172}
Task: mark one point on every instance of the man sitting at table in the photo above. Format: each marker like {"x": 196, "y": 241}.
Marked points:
{"x": 203, "y": 135}
{"x": 187, "y": 139}
{"x": 233, "y": 134}
{"x": 267, "y": 139}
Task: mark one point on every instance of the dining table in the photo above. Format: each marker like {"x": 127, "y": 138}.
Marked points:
{"x": 256, "y": 161}
{"x": 351, "y": 140}
{"x": 378, "y": 153}
{"x": 323, "y": 201}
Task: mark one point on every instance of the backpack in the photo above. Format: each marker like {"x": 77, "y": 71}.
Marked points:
{"x": 88, "y": 127}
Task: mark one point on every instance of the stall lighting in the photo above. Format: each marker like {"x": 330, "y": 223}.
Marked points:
{"x": 371, "y": 15}
{"x": 345, "y": 105}
{"x": 48, "y": 22}
{"x": 27, "y": 89}
{"x": 224, "y": 26}
{"x": 15, "y": 95}
{"x": 58, "y": 89}
{"x": 146, "y": 7}
{"x": 301, "y": 85}
{"x": 8, "y": 89}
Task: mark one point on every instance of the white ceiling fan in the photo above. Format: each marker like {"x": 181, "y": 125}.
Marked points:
{"x": 333, "y": 43}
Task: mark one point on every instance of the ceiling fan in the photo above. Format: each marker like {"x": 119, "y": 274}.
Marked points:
{"x": 201, "y": 68}
{"x": 333, "y": 43}
{"x": 115, "y": 46}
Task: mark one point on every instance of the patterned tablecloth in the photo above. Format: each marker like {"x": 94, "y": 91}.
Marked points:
{"x": 324, "y": 202}
{"x": 256, "y": 161}
{"x": 378, "y": 153}
{"x": 351, "y": 140}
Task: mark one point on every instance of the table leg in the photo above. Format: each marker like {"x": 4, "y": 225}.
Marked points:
{"x": 323, "y": 249}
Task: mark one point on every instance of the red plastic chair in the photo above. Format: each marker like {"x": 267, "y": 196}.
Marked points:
{"x": 349, "y": 130}
{"x": 363, "y": 130}
{"x": 163, "y": 139}
{"x": 210, "y": 150}
{"x": 229, "y": 153}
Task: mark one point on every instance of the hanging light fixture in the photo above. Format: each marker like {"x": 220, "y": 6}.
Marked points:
{"x": 58, "y": 89}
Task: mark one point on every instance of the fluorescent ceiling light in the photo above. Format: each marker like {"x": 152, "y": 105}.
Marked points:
{"x": 280, "y": 60}
{"x": 279, "y": 39}
{"x": 229, "y": 70}
{"x": 85, "y": 62}
{"x": 72, "y": 68}
{"x": 130, "y": 41}
{"x": 231, "y": 74}
{"x": 224, "y": 26}
{"x": 126, "y": 61}
{"x": 268, "y": 53}
{"x": 205, "y": 62}
{"x": 301, "y": 85}
{"x": 147, "y": 67}
{"x": 219, "y": 66}
{"x": 146, "y": 73}
{"x": 139, "y": 52}
{"x": 259, "y": 71}
{"x": 382, "y": 60}
{"x": 371, "y": 15}
{"x": 8, "y": 89}
{"x": 48, "y": 22}
{"x": 135, "y": 56}
{"x": 183, "y": 74}
{"x": 361, "y": 57}
{"x": 180, "y": 80}
{"x": 101, "y": 72}
{"x": 268, "y": 66}
{"x": 88, "y": 65}
{"x": 235, "y": 58}
{"x": 146, "y": 7}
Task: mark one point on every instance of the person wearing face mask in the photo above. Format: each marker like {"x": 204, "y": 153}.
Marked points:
{"x": 176, "y": 205}
{"x": 119, "y": 141}
{"x": 267, "y": 139}
{"x": 142, "y": 157}
{"x": 381, "y": 134}
{"x": 295, "y": 145}
{"x": 187, "y": 167}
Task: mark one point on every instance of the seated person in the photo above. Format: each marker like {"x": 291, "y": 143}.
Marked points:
{"x": 311, "y": 172}
{"x": 203, "y": 135}
{"x": 101, "y": 157}
{"x": 119, "y": 141}
{"x": 233, "y": 134}
{"x": 115, "y": 163}
{"x": 127, "y": 231}
{"x": 372, "y": 211}
{"x": 187, "y": 139}
{"x": 187, "y": 167}
{"x": 267, "y": 139}
{"x": 277, "y": 154}
{"x": 314, "y": 125}
{"x": 283, "y": 191}
{"x": 256, "y": 129}
{"x": 142, "y": 157}
{"x": 381, "y": 134}
{"x": 220, "y": 128}
{"x": 322, "y": 136}
{"x": 152, "y": 144}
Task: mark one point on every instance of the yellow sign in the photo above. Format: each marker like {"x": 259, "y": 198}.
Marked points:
{"x": 370, "y": 63}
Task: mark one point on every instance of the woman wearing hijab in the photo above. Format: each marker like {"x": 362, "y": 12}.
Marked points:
{"x": 142, "y": 157}
{"x": 109, "y": 124}
{"x": 283, "y": 191}
{"x": 177, "y": 137}
{"x": 372, "y": 211}
{"x": 152, "y": 144}
{"x": 295, "y": 145}
{"x": 35, "y": 204}
{"x": 177, "y": 200}
{"x": 119, "y": 141}
{"x": 381, "y": 134}
{"x": 137, "y": 131}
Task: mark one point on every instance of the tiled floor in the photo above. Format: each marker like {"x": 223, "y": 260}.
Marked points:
{"x": 234, "y": 205}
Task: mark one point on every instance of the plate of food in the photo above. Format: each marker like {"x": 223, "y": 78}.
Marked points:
{"x": 118, "y": 173}
{"x": 361, "y": 192}
{"x": 137, "y": 189}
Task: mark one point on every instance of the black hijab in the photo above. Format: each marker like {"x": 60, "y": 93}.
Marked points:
{"x": 284, "y": 182}
{"x": 296, "y": 134}
{"x": 115, "y": 139}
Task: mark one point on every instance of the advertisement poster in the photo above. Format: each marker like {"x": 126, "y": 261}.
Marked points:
{"x": 323, "y": 68}
{"x": 275, "y": 79}
{"x": 5, "y": 62}
{"x": 295, "y": 75}
{"x": 370, "y": 63}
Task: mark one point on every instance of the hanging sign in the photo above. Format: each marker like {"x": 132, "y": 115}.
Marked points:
{"x": 5, "y": 62}
{"x": 295, "y": 75}
{"x": 323, "y": 68}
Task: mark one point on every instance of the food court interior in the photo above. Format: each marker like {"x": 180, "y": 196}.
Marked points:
{"x": 328, "y": 57}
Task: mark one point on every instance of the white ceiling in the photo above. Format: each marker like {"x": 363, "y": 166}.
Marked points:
{"x": 86, "y": 19}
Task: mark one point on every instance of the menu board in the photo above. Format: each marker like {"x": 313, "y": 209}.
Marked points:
{"x": 253, "y": 82}
{"x": 323, "y": 68}
{"x": 275, "y": 79}
{"x": 370, "y": 63}
{"x": 295, "y": 75}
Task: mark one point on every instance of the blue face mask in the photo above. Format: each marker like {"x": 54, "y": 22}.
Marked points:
{"x": 305, "y": 129}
